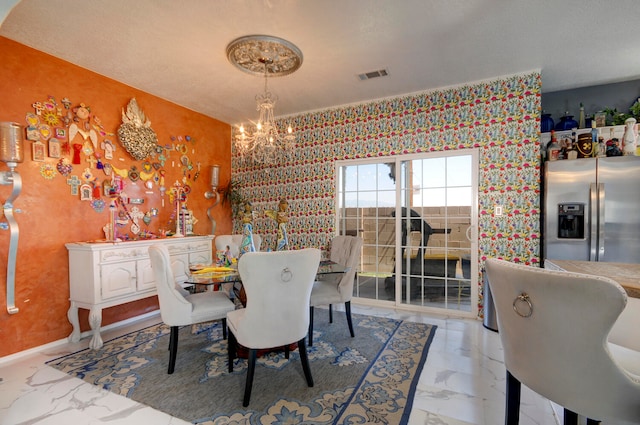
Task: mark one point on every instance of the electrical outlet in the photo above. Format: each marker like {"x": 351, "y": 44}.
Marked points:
{"x": 497, "y": 211}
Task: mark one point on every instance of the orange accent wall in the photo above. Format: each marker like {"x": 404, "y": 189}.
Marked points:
{"x": 50, "y": 216}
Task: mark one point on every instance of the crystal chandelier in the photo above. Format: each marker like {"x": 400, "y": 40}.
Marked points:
{"x": 265, "y": 141}
{"x": 267, "y": 56}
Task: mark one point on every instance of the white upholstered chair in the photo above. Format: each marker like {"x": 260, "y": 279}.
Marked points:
{"x": 334, "y": 289}
{"x": 554, "y": 328}
{"x": 178, "y": 307}
{"x": 234, "y": 242}
{"x": 278, "y": 287}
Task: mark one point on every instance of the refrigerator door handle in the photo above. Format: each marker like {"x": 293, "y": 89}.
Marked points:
{"x": 601, "y": 222}
{"x": 593, "y": 222}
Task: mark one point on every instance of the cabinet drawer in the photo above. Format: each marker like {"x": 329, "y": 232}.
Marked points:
{"x": 118, "y": 279}
{"x": 146, "y": 279}
{"x": 200, "y": 257}
{"x": 180, "y": 267}
{"x": 119, "y": 254}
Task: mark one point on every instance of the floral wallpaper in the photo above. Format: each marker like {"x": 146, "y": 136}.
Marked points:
{"x": 500, "y": 117}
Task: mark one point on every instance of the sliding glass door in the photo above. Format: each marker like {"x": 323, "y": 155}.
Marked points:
{"x": 417, "y": 215}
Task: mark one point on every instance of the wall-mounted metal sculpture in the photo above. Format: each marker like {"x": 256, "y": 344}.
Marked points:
{"x": 11, "y": 152}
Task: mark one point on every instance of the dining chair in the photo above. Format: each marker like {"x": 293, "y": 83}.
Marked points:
{"x": 180, "y": 308}
{"x": 278, "y": 287}
{"x": 234, "y": 242}
{"x": 554, "y": 327}
{"x": 334, "y": 289}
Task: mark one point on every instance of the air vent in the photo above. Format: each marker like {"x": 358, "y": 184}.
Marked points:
{"x": 373, "y": 74}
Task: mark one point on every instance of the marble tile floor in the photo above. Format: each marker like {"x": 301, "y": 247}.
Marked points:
{"x": 463, "y": 382}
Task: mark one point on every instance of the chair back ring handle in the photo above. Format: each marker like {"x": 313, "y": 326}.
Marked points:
{"x": 522, "y": 305}
{"x": 286, "y": 275}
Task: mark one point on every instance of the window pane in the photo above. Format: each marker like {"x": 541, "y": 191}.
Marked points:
{"x": 459, "y": 171}
{"x": 430, "y": 197}
{"x": 433, "y": 174}
{"x": 386, "y": 176}
{"x": 458, "y": 196}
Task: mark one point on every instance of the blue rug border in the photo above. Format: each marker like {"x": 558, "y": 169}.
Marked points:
{"x": 371, "y": 364}
{"x": 416, "y": 378}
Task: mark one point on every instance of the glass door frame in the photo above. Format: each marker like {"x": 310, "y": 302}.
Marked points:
{"x": 472, "y": 231}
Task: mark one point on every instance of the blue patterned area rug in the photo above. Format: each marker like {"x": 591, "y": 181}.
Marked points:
{"x": 369, "y": 378}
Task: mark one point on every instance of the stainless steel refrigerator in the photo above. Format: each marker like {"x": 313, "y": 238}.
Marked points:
{"x": 592, "y": 209}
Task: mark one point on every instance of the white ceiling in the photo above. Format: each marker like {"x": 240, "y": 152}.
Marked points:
{"x": 175, "y": 49}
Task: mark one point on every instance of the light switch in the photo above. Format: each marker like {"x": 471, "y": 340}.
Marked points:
{"x": 497, "y": 211}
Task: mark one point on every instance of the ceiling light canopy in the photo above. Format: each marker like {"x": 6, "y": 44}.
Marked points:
{"x": 266, "y": 56}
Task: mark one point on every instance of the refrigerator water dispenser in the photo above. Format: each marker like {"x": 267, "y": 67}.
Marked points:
{"x": 571, "y": 221}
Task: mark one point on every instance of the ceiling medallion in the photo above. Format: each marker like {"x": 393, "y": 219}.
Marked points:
{"x": 269, "y": 57}
{"x": 250, "y": 54}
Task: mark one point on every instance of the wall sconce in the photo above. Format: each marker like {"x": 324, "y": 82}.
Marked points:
{"x": 215, "y": 176}
{"x": 11, "y": 152}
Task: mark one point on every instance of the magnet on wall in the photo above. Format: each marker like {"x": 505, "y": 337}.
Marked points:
{"x": 134, "y": 175}
{"x": 64, "y": 167}
{"x": 98, "y": 205}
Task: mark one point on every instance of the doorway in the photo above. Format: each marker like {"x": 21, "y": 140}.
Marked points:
{"x": 417, "y": 215}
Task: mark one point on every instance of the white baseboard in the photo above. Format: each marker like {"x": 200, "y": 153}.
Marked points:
{"x": 25, "y": 353}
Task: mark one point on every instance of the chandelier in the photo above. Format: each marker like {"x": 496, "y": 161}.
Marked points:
{"x": 267, "y": 56}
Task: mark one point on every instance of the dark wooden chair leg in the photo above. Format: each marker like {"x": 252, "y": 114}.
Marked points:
{"x": 170, "y": 340}
{"x": 251, "y": 367}
{"x": 224, "y": 328}
{"x": 286, "y": 351}
{"x": 512, "y": 414}
{"x": 347, "y": 308}
{"x": 305, "y": 362}
{"x": 570, "y": 418}
{"x": 311, "y": 326}
{"x": 330, "y": 313}
{"x": 231, "y": 350}
{"x": 173, "y": 348}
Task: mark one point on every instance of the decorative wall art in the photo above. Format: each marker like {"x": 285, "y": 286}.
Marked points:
{"x": 64, "y": 166}
{"x": 32, "y": 127}
{"x": 135, "y": 133}
{"x": 37, "y": 151}
{"x": 54, "y": 148}
{"x": 48, "y": 171}
{"x": 85, "y": 155}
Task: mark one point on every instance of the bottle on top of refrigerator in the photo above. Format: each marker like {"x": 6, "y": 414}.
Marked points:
{"x": 629, "y": 138}
{"x": 594, "y": 138}
{"x": 553, "y": 148}
{"x": 581, "y": 120}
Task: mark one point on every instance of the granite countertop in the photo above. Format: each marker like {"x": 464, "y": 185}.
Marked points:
{"x": 626, "y": 274}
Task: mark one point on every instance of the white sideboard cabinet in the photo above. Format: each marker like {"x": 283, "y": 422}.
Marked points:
{"x": 106, "y": 274}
